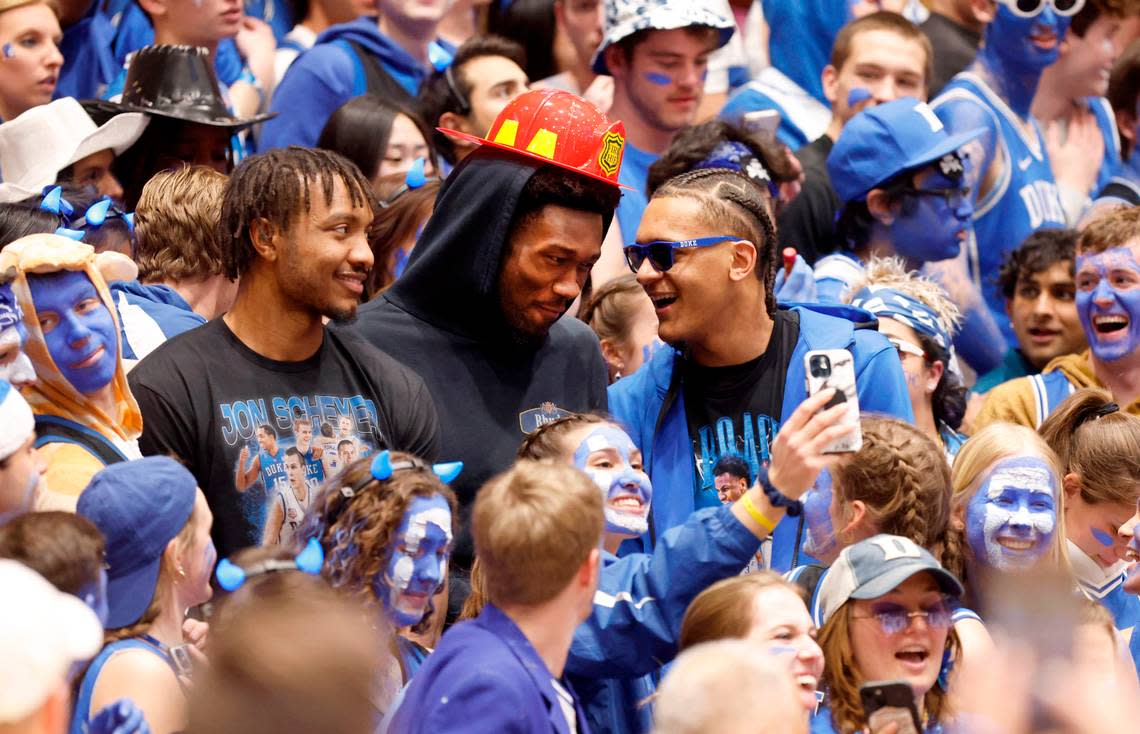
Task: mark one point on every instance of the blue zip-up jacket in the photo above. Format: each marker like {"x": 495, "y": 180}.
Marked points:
{"x": 638, "y": 608}
{"x": 652, "y": 409}
{"x": 328, "y": 75}
{"x": 149, "y": 315}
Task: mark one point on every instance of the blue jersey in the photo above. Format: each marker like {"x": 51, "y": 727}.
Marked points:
{"x": 1106, "y": 585}
{"x": 1106, "y": 121}
{"x": 634, "y": 173}
{"x": 1023, "y": 200}
{"x": 272, "y": 469}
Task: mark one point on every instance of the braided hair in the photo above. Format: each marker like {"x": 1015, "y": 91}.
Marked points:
{"x": 903, "y": 479}
{"x": 733, "y": 205}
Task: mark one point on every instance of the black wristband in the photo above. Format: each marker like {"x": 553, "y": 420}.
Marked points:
{"x": 793, "y": 507}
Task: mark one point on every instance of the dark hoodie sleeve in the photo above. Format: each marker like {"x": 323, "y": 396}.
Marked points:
{"x": 415, "y": 424}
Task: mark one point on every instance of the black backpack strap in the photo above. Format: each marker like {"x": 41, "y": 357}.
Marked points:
{"x": 54, "y": 429}
{"x": 1118, "y": 189}
{"x": 377, "y": 79}
{"x": 808, "y": 580}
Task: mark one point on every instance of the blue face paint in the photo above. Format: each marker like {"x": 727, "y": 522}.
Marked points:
{"x": 79, "y": 331}
{"x": 1011, "y": 39}
{"x": 417, "y": 560}
{"x": 819, "y": 541}
{"x": 929, "y": 228}
{"x": 1108, "y": 302}
{"x": 857, "y": 95}
{"x": 654, "y": 77}
{"x": 94, "y": 595}
{"x": 606, "y": 455}
{"x": 1132, "y": 582}
{"x": 7, "y": 50}
{"x": 1012, "y": 517}
{"x": 1102, "y": 537}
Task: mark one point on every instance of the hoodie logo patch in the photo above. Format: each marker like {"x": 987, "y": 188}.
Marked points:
{"x": 535, "y": 418}
{"x": 609, "y": 159}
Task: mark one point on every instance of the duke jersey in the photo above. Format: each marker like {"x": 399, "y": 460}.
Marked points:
{"x": 1106, "y": 585}
{"x": 1106, "y": 121}
{"x": 272, "y": 470}
{"x": 1023, "y": 200}
{"x": 294, "y": 511}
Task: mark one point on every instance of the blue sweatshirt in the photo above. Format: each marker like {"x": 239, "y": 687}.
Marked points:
{"x": 150, "y": 314}
{"x": 328, "y": 75}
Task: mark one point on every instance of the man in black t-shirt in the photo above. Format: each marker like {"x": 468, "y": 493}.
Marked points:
{"x": 955, "y": 31}
{"x": 297, "y": 223}
{"x": 875, "y": 59}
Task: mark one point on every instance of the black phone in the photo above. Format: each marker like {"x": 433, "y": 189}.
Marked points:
{"x": 890, "y": 700}
{"x": 180, "y": 654}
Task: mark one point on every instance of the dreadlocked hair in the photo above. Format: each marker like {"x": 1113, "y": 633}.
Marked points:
{"x": 547, "y": 441}
{"x": 732, "y": 205}
{"x": 356, "y": 531}
{"x": 902, "y": 477}
{"x": 271, "y": 190}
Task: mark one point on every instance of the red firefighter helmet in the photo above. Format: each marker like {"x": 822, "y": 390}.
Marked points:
{"x": 562, "y": 129}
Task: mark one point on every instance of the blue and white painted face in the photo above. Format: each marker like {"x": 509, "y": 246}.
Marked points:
{"x": 1108, "y": 302}
{"x": 608, "y": 455}
{"x": 417, "y": 560}
{"x": 15, "y": 367}
{"x": 932, "y": 228}
{"x": 1132, "y": 583}
{"x": 819, "y": 541}
{"x": 94, "y": 595}
{"x": 1026, "y": 44}
{"x": 79, "y": 331}
{"x": 1011, "y": 519}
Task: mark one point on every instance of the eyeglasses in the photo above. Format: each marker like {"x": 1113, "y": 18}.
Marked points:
{"x": 894, "y": 618}
{"x": 905, "y": 347}
{"x": 1033, "y": 8}
{"x": 660, "y": 252}
{"x": 952, "y": 197}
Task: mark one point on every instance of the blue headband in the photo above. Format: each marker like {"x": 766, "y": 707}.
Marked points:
{"x": 739, "y": 157}
{"x": 383, "y": 467}
{"x": 889, "y": 303}
{"x": 231, "y": 576}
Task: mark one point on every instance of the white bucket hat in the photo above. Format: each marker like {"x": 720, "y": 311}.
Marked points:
{"x": 623, "y": 18}
{"x": 44, "y": 140}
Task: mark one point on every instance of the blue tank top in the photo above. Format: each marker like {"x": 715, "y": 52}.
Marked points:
{"x": 1106, "y": 121}
{"x": 1023, "y": 200}
{"x": 80, "y": 717}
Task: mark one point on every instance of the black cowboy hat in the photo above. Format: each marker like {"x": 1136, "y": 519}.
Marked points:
{"x": 176, "y": 82}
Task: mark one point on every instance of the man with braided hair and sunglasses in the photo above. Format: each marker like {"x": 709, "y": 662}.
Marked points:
{"x": 1010, "y": 177}
{"x": 705, "y": 253}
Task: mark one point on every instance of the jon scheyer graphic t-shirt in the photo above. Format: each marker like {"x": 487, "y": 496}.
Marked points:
{"x": 240, "y": 421}
{"x": 736, "y": 409}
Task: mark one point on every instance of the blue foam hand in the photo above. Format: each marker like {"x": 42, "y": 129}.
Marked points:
{"x": 799, "y": 287}
{"x": 120, "y": 717}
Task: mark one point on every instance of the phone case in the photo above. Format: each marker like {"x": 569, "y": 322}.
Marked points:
{"x": 889, "y": 701}
{"x": 881, "y": 717}
{"x": 842, "y": 378}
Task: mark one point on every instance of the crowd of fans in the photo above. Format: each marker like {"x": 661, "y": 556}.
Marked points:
{"x": 613, "y": 366}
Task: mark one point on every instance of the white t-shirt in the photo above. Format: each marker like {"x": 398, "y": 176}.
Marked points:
{"x": 566, "y": 703}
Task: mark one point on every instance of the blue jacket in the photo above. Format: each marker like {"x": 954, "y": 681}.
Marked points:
{"x": 150, "y": 314}
{"x": 638, "y": 608}
{"x": 328, "y": 75}
{"x": 652, "y": 409}
{"x": 484, "y": 676}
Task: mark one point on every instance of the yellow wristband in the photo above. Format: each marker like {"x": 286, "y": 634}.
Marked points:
{"x": 755, "y": 514}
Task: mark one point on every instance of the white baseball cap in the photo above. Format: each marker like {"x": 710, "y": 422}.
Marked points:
{"x": 43, "y": 631}
{"x": 44, "y": 140}
{"x": 17, "y": 423}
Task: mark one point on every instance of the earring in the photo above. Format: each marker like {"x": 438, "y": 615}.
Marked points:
{"x": 181, "y": 571}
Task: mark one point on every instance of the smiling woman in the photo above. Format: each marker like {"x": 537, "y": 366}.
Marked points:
{"x": 29, "y": 54}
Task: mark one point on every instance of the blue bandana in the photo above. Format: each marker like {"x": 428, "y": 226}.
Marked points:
{"x": 739, "y": 157}
{"x": 889, "y": 303}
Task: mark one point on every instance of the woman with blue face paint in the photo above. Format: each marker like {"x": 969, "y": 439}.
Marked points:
{"x": 1099, "y": 449}
{"x": 384, "y": 525}
{"x": 903, "y": 185}
{"x": 86, "y": 415}
{"x": 918, "y": 318}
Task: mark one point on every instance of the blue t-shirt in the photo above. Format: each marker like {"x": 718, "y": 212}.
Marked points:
{"x": 635, "y": 174}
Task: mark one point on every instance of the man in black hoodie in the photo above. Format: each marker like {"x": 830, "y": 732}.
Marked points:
{"x": 478, "y": 312}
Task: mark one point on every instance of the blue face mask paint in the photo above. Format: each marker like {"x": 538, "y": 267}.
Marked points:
{"x": 80, "y": 332}
{"x": 605, "y": 454}
{"x": 94, "y": 595}
{"x": 819, "y": 541}
{"x": 1011, "y": 38}
{"x": 19, "y": 370}
{"x": 1108, "y": 302}
{"x": 417, "y": 560}
{"x": 929, "y": 228}
{"x": 1011, "y": 519}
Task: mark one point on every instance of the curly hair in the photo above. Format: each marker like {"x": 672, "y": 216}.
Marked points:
{"x": 547, "y": 442}
{"x": 356, "y": 532}
{"x": 842, "y": 678}
{"x": 732, "y": 205}
{"x": 902, "y": 477}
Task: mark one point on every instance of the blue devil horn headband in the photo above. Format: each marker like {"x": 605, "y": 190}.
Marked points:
{"x": 383, "y": 467}
{"x": 231, "y": 576}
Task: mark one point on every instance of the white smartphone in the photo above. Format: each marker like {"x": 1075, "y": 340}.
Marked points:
{"x": 835, "y": 368}
{"x": 761, "y": 123}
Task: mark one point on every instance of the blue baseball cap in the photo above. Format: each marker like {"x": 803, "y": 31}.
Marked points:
{"x": 139, "y": 506}
{"x": 874, "y": 567}
{"x": 883, "y": 141}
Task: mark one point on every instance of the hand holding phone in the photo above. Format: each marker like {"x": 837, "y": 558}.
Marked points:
{"x": 835, "y": 368}
{"x": 889, "y": 707}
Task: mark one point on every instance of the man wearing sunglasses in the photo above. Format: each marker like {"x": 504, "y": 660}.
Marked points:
{"x": 901, "y": 179}
{"x": 1010, "y": 177}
